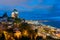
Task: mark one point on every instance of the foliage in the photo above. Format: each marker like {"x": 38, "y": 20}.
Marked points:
{"x": 17, "y": 20}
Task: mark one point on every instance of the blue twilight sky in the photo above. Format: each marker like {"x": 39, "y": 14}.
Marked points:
{"x": 32, "y": 9}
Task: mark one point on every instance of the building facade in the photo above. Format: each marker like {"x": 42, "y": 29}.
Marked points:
{"x": 14, "y": 13}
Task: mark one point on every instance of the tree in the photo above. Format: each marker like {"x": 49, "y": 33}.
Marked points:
{"x": 25, "y": 26}
{"x": 17, "y": 20}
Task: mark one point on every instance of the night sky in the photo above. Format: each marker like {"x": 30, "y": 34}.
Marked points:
{"x": 32, "y": 9}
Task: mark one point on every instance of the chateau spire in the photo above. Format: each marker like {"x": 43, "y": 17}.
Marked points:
{"x": 5, "y": 14}
{"x": 15, "y": 10}
{"x": 14, "y": 13}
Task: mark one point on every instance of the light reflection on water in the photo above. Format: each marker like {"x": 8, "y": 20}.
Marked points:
{"x": 53, "y": 23}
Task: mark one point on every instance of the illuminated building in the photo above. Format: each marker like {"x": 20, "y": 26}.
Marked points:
{"x": 5, "y": 19}
{"x": 14, "y": 13}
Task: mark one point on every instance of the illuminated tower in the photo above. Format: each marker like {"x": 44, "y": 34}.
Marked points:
{"x": 14, "y": 13}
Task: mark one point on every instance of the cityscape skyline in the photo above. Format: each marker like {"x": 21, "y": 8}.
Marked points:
{"x": 35, "y": 9}
{"x": 29, "y": 19}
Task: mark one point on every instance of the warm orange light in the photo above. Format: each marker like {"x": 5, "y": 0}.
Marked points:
{"x": 25, "y": 33}
{"x": 17, "y": 34}
{"x": 58, "y": 35}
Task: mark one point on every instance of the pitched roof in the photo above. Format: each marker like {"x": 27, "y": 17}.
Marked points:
{"x": 14, "y": 10}
{"x": 5, "y": 15}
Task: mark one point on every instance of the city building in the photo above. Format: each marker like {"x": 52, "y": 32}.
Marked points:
{"x": 14, "y": 13}
{"x": 5, "y": 19}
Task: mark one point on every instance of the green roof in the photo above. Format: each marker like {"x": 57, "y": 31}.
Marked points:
{"x": 5, "y": 14}
{"x": 14, "y": 10}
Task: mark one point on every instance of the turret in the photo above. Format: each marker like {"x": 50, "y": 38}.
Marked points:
{"x": 14, "y": 13}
